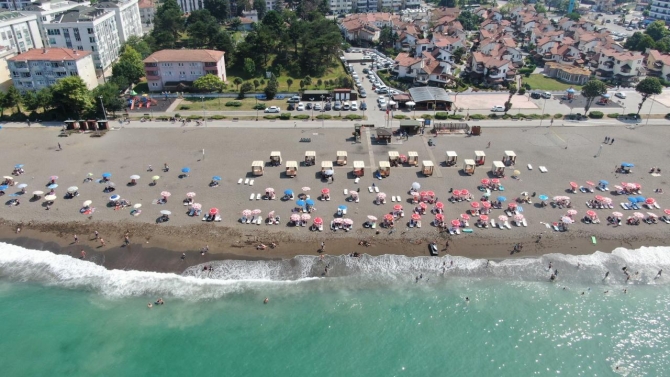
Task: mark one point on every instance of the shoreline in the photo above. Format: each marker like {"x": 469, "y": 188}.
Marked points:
{"x": 162, "y": 252}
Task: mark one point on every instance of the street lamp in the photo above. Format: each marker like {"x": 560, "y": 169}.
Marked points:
{"x": 104, "y": 113}
{"x": 542, "y": 116}
{"x": 323, "y": 110}
{"x": 256, "y": 108}
{"x": 649, "y": 114}
{"x": 204, "y": 113}
{"x": 312, "y": 100}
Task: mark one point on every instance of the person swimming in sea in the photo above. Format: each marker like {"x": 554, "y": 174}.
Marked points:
{"x": 467, "y": 300}
{"x": 266, "y": 300}
{"x": 150, "y": 305}
{"x": 160, "y": 301}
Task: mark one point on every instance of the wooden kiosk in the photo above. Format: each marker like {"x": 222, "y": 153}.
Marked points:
{"x": 469, "y": 166}
{"x": 427, "y": 168}
{"x": 480, "y": 158}
{"x": 310, "y": 158}
{"x": 291, "y": 168}
{"x": 394, "y": 158}
{"x": 509, "y": 159}
{"x": 498, "y": 169}
{"x": 257, "y": 168}
{"x": 275, "y": 158}
{"x": 359, "y": 168}
{"x": 341, "y": 158}
{"x": 452, "y": 158}
{"x": 412, "y": 158}
{"x": 384, "y": 169}
{"x": 325, "y": 166}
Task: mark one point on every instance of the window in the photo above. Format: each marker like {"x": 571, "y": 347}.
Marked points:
{"x": 80, "y": 48}
{"x": 154, "y": 84}
{"x": 90, "y": 30}
{"x": 52, "y": 41}
{"x": 91, "y": 39}
{"x": 70, "y": 63}
{"x": 38, "y": 73}
{"x": 18, "y": 35}
{"x": 92, "y": 48}
{"x": 4, "y": 36}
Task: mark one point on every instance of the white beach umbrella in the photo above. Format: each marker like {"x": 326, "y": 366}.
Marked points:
{"x": 166, "y": 212}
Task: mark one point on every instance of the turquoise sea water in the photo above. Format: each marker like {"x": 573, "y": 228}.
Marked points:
{"x": 64, "y": 317}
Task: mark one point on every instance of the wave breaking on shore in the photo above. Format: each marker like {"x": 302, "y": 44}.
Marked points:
{"x": 237, "y": 276}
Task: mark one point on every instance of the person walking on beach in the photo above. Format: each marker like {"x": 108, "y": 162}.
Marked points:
{"x": 76, "y": 239}
{"x": 183, "y": 256}
{"x": 611, "y": 141}
{"x": 606, "y": 275}
{"x": 323, "y": 246}
{"x": 97, "y": 235}
{"x": 658, "y": 275}
{"x": 488, "y": 145}
{"x": 102, "y": 242}
{"x": 59, "y": 147}
{"x": 83, "y": 254}
{"x": 18, "y": 230}
{"x": 126, "y": 240}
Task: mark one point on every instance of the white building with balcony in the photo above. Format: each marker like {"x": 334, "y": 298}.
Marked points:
{"x": 341, "y": 6}
{"x": 42, "y": 67}
{"x": 147, "y": 11}
{"x": 127, "y": 14}
{"x": 46, "y": 11}
{"x": 19, "y": 32}
{"x": 660, "y": 10}
{"x": 15, "y": 4}
{"x": 167, "y": 69}
{"x": 189, "y": 6}
{"x": 622, "y": 66}
{"x": 87, "y": 29}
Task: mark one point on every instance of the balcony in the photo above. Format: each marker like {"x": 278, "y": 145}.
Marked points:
{"x": 21, "y": 68}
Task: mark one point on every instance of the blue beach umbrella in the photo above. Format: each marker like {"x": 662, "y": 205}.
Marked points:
{"x": 502, "y": 199}
{"x": 114, "y": 197}
{"x": 627, "y": 165}
{"x": 3, "y": 187}
{"x": 519, "y": 209}
{"x": 52, "y": 186}
{"x": 604, "y": 182}
{"x": 342, "y": 207}
{"x": 106, "y": 175}
{"x": 18, "y": 166}
{"x": 288, "y": 192}
{"x": 632, "y": 199}
{"x": 185, "y": 170}
{"x": 300, "y": 203}
{"x": 640, "y": 199}
{"x": 309, "y": 202}
{"x": 571, "y": 90}
{"x": 216, "y": 178}
{"x": 543, "y": 197}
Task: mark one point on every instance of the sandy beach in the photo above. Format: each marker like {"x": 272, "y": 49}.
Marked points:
{"x": 567, "y": 152}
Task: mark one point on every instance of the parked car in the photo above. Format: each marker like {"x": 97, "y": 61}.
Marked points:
{"x": 294, "y": 99}
{"x": 382, "y": 103}
{"x": 363, "y": 94}
{"x": 536, "y": 95}
{"x": 291, "y": 107}
{"x": 308, "y": 106}
{"x": 546, "y": 95}
{"x": 346, "y": 106}
{"x": 354, "y": 106}
{"x": 301, "y": 106}
{"x": 272, "y": 109}
{"x": 364, "y": 106}
{"x": 317, "y": 107}
{"x": 327, "y": 106}
{"x": 498, "y": 108}
{"x": 365, "y": 70}
{"x": 620, "y": 95}
{"x": 337, "y": 106}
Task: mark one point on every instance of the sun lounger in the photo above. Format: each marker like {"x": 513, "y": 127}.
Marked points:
{"x": 468, "y": 230}
{"x": 259, "y": 220}
{"x": 501, "y": 226}
{"x": 243, "y": 220}
{"x": 376, "y": 189}
{"x": 370, "y": 188}
{"x": 624, "y": 206}
{"x": 410, "y": 224}
{"x": 657, "y": 206}
{"x": 418, "y": 224}
{"x": 458, "y": 231}
{"x": 555, "y": 227}
{"x": 524, "y": 223}
{"x": 252, "y": 196}
{"x": 451, "y": 231}
{"x": 246, "y": 181}
{"x": 217, "y": 218}
{"x": 507, "y": 225}
{"x": 239, "y": 181}
{"x": 357, "y": 199}
{"x": 346, "y": 192}
{"x": 530, "y": 167}
{"x": 493, "y": 223}
{"x": 588, "y": 204}
{"x": 251, "y": 182}
{"x": 358, "y": 179}
{"x": 258, "y": 196}
{"x": 543, "y": 169}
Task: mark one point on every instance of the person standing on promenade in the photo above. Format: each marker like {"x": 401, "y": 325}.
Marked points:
{"x": 59, "y": 147}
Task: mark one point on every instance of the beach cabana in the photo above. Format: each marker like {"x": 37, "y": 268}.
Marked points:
{"x": 310, "y": 158}
{"x": 326, "y": 166}
{"x": 394, "y": 158}
{"x": 291, "y": 168}
{"x": 427, "y": 168}
{"x": 384, "y": 169}
{"x": 452, "y": 158}
{"x": 509, "y": 158}
{"x": 275, "y": 158}
{"x": 359, "y": 168}
{"x": 257, "y": 168}
{"x": 498, "y": 169}
{"x": 412, "y": 158}
{"x": 480, "y": 158}
{"x": 469, "y": 166}
{"x": 341, "y": 158}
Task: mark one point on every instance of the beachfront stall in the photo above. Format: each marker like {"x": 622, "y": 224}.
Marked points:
{"x": 452, "y": 158}
{"x": 384, "y": 169}
{"x": 498, "y": 169}
{"x": 257, "y": 168}
{"x": 341, "y": 158}
{"x": 394, "y": 158}
{"x": 359, "y": 168}
{"x": 412, "y": 158}
{"x": 326, "y": 169}
{"x": 291, "y": 168}
{"x": 275, "y": 158}
{"x": 310, "y": 158}
{"x": 509, "y": 158}
{"x": 427, "y": 168}
{"x": 469, "y": 166}
{"x": 480, "y": 158}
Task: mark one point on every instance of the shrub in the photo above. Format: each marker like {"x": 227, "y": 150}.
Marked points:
{"x": 456, "y": 116}
{"x": 506, "y": 116}
{"x": 493, "y": 116}
{"x": 477, "y": 116}
{"x": 441, "y": 115}
{"x": 285, "y": 116}
{"x": 527, "y": 86}
{"x": 258, "y": 106}
{"x": 301, "y": 116}
{"x": 400, "y": 116}
{"x": 177, "y": 115}
{"x": 353, "y": 117}
{"x": 194, "y": 117}
{"x": 162, "y": 118}
{"x": 233, "y": 103}
{"x": 527, "y": 74}
{"x": 522, "y": 91}
{"x": 596, "y": 114}
{"x": 616, "y": 115}
{"x": 324, "y": 116}
{"x": 184, "y": 107}
{"x": 270, "y": 116}
{"x": 218, "y": 117}
{"x": 427, "y": 116}
{"x": 558, "y": 116}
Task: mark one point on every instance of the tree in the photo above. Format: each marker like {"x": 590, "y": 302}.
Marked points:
{"x": 13, "y": 98}
{"x": 469, "y": 20}
{"x": 271, "y": 89}
{"x": 71, "y": 96}
{"x": 256, "y": 84}
{"x": 235, "y": 23}
{"x": 657, "y": 30}
{"x": 139, "y": 45}
{"x": 220, "y": 9}
{"x": 458, "y": 54}
{"x": 202, "y": 28}
{"x": 289, "y": 82}
{"x": 110, "y": 98}
{"x": 45, "y": 98}
{"x": 508, "y": 106}
{"x": 647, "y": 88}
{"x": 302, "y": 84}
{"x": 574, "y": 16}
{"x": 261, "y": 7}
{"x": 242, "y": 5}
{"x": 168, "y": 24}
{"x": 29, "y": 100}
{"x": 223, "y": 42}
{"x": 246, "y": 88}
{"x": 319, "y": 82}
{"x": 237, "y": 82}
{"x": 130, "y": 65}
{"x": 249, "y": 67}
{"x": 512, "y": 91}
{"x": 208, "y": 83}
{"x": 591, "y": 90}
{"x": 308, "y": 81}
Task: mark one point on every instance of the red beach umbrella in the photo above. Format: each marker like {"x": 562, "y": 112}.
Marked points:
{"x": 388, "y": 217}
{"x": 465, "y": 192}
{"x": 397, "y": 207}
{"x": 456, "y": 222}
{"x": 465, "y": 216}
{"x": 474, "y": 205}
{"x": 650, "y": 201}
{"x": 318, "y": 221}
{"x": 484, "y": 218}
{"x": 573, "y": 184}
{"x": 439, "y": 205}
{"x": 591, "y": 214}
{"x": 439, "y": 217}
{"x": 486, "y": 205}
{"x": 423, "y": 205}
{"x": 213, "y": 211}
{"x": 485, "y": 181}
{"x": 325, "y": 191}
{"x": 416, "y": 217}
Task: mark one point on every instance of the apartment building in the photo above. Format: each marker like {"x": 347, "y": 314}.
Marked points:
{"x": 147, "y": 11}
{"x": 364, "y": 6}
{"x": 660, "y": 10}
{"x": 624, "y": 66}
{"x": 15, "y": 4}
{"x": 189, "y": 6}
{"x": 46, "y": 11}
{"x": 19, "y": 31}
{"x": 5, "y": 76}
{"x": 658, "y": 65}
{"x": 127, "y": 15}
{"x": 341, "y": 6}
{"x": 166, "y": 69}
{"x": 87, "y": 29}
{"x": 42, "y": 67}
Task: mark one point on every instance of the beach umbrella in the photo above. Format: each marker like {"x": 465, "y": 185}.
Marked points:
{"x": 18, "y": 166}
{"x": 269, "y": 190}
{"x": 431, "y": 193}
{"x": 543, "y": 197}
{"x": 474, "y": 205}
{"x": 216, "y": 178}
{"x": 599, "y": 198}
{"x": 88, "y": 203}
{"x": 196, "y": 206}
{"x": 591, "y": 214}
{"x": 325, "y": 191}
{"x": 288, "y": 192}
{"x": 114, "y": 197}
{"x": 22, "y": 185}
{"x": 306, "y": 189}
{"x": 106, "y": 175}
{"x": 155, "y": 177}
{"x": 416, "y": 186}
{"x": 166, "y": 212}
{"x": 502, "y": 199}
{"x": 456, "y": 222}
{"x": 485, "y": 181}
{"x": 213, "y": 211}
{"x": 372, "y": 218}
{"x": 111, "y": 184}
{"x": 570, "y": 90}
{"x": 8, "y": 178}
{"x": 388, "y": 217}
{"x": 318, "y": 221}
{"x": 518, "y": 217}
{"x": 465, "y": 216}
{"x": 342, "y": 207}
{"x": 50, "y": 197}
{"x": 573, "y": 184}
{"x": 502, "y": 218}
{"x": 185, "y": 170}
{"x": 53, "y": 177}
{"x": 589, "y": 183}
{"x": 165, "y": 194}
{"x": 72, "y": 189}
{"x": 617, "y": 214}
{"x": 567, "y": 220}
{"x": 338, "y": 220}
{"x": 604, "y": 182}
{"x": 422, "y": 193}
{"x": 439, "y": 205}
{"x": 3, "y": 187}
{"x": 51, "y": 186}
{"x": 38, "y": 193}
{"x": 439, "y": 217}
{"x": 607, "y": 200}
{"x": 517, "y": 173}
{"x": 134, "y": 176}
{"x": 416, "y": 194}
{"x": 305, "y": 217}
{"x": 137, "y": 205}
{"x": 572, "y": 212}
{"x": 295, "y": 217}
{"x": 300, "y": 203}
{"x": 650, "y": 201}
{"x": 256, "y": 212}
{"x": 666, "y": 211}
{"x": 353, "y": 193}
{"x": 512, "y": 205}
{"x": 652, "y": 215}
{"x": 465, "y": 192}
{"x": 455, "y": 193}
{"x": 639, "y": 215}
{"x": 381, "y": 196}
{"x": 627, "y": 165}
{"x": 246, "y": 212}
{"x": 190, "y": 194}
{"x": 348, "y": 221}
{"x": 495, "y": 181}
{"x": 416, "y": 217}
{"x": 632, "y": 199}
{"x": 309, "y": 202}
{"x": 423, "y": 205}
{"x": 397, "y": 207}
{"x": 486, "y": 205}
{"x": 484, "y": 218}
{"x": 641, "y": 199}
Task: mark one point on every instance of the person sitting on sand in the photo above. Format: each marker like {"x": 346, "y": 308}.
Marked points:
{"x": 273, "y": 245}
{"x": 261, "y": 247}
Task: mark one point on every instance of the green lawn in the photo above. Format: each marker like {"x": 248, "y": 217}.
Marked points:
{"x": 541, "y": 82}
{"x": 220, "y": 104}
{"x": 332, "y": 73}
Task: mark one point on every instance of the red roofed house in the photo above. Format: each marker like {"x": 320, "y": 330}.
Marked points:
{"x": 658, "y": 65}
{"x": 166, "y": 69}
